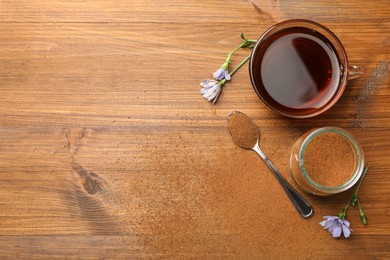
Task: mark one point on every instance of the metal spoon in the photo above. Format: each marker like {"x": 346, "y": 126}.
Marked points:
{"x": 302, "y": 206}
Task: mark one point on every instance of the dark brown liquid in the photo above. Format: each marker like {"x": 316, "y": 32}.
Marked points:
{"x": 296, "y": 71}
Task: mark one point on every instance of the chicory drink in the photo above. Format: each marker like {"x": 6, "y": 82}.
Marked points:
{"x": 299, "y": 70}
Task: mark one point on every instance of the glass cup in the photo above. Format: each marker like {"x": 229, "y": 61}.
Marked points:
{"x": 299, "y": 68}
{"x": 302, "y": 177}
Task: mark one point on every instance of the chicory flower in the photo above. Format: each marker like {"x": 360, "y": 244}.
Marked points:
{"x": 211, "y": 89}
{"x": 222, "y": 72}
{"x": 337, "y": 226}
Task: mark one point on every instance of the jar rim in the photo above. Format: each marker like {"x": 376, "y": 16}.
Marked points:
{"x": 359, "y": 162}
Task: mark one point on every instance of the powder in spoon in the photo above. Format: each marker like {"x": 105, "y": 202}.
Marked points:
{"x": 243, "y": 130}
{"x": 329, "y": 159}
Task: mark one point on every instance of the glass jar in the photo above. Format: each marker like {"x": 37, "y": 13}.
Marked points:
{"x": 301, "y": 176}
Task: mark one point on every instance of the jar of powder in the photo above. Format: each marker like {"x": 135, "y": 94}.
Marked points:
{"x": 326, "y": 161}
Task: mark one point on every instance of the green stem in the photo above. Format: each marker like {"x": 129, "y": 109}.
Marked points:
{"x": 245, "y": 39}
{"x": 222, "y": 82}
{"x": 240, "y": 65}
{"x": 242, "y": 44}
{"x": 362, "y": 215}
{"x": 343, "y": 212}
{"x": 361, "y": 180}
{"x": 354, "y": 199}
{"x": 234, "y": 51}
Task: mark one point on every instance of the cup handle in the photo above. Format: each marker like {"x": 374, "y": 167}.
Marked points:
{"x": 355, "y": 72}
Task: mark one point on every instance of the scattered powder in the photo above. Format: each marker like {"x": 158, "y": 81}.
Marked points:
{"x": 255, "y": 211}
{"x": 216, "y": 201}
{"x": 243, "y": 130}
{"x": 329, "y": 159}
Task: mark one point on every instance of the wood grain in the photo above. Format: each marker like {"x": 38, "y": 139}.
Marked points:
{"x": 108, "y": 150}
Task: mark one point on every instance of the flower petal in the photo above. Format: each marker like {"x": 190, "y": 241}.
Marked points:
{"x": 208, "y": 83}
{"x": 211, "y": 93}
{"x": 322, "y": 223}
{"x": 219, "y": 74}
{"x": 336, "y": 232}
{"x": 216, "y": 97}
{"x": 227, "y": 75}
{"x": 346, "y": 222}
{"x": 346, "y": 231}
{"x": 333, "y": 227}
{"x": 330, "y": 223}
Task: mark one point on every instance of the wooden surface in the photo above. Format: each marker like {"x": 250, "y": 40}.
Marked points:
{"x": 108, "y": 150}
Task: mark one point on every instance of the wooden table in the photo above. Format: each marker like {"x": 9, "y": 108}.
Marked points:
{"x": 108, "y": 150}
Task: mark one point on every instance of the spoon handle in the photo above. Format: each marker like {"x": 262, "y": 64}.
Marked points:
{"x": 302, "y": 206}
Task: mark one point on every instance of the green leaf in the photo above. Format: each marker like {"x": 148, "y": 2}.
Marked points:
{"x": 242, "y": 36}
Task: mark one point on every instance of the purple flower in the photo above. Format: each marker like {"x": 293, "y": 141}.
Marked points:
{"x": 222, "y": 73}
{"x": 211, "y": 89}
{"x": 336, "y": 226}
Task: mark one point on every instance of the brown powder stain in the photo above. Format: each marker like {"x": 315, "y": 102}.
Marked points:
{"x": 223, "y": 203}
{"x": 329, "y": 159}
{"x": 199, "y": 196}
{"x": 167, "y": 201}
{"x": 254, "y": 208}
{"x": 373, "y": 83}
